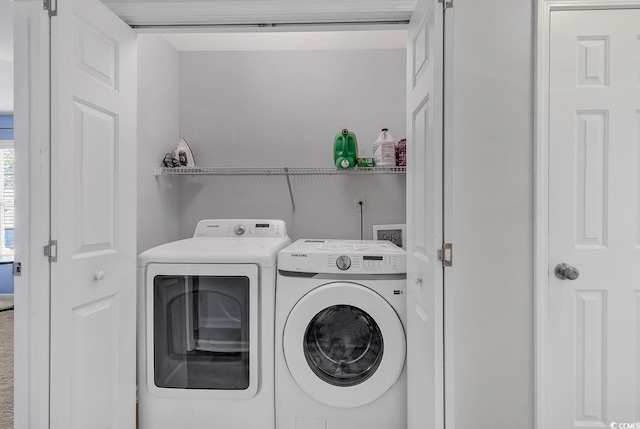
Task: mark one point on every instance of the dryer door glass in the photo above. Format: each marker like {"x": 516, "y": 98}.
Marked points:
{"x": 201, "y": 332}
{"x": 343, "y": 345}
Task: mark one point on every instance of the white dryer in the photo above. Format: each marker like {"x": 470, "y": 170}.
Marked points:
{"x": 340, "y": 338}
{"x": 206, "y": 327}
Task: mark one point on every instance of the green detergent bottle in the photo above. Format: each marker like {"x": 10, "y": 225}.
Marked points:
{"x": 345, "y": 149}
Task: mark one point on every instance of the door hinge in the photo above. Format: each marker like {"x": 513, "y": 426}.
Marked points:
{"x": 51, "y": 6}
{"x": 446, "y": 4}
{"x": 51, "y": 250}
{"x": 17, "y": 269}
{"x": 445, "y": 254}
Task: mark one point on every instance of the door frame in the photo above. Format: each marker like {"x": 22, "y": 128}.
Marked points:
{"x": 32, "y": 148}
{"x": 32, "y": 288}
{"x": 541, "y": 180}
{"x": 448, "y": 278}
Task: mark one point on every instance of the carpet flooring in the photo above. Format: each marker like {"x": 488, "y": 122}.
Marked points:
{"x": 6, "y": 366}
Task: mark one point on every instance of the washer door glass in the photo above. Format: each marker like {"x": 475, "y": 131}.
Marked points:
{"x": 343, "y": 345}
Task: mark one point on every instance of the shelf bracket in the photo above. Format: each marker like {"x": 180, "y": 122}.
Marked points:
{"x": 293, "y": 203}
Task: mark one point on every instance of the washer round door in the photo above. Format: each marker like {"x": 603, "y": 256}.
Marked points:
{"x": 344, "y": 344}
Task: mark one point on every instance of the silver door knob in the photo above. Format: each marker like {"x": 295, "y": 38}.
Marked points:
{"x": 566, "y": 272}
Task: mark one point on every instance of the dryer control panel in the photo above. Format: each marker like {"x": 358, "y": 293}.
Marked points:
{"x": 241, "y": 228}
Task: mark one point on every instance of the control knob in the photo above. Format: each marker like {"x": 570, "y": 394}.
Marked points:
{"x": 343, "y": 262}
{"x": 239, "y": 229}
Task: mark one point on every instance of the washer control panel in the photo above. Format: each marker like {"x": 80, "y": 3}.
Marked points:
{"x": 343, "y": 257}
{"x": 367, "y": 263}
{"x": 240, "y": 228}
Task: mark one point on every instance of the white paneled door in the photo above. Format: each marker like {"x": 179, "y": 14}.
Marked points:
{"x": 93, "y": 218}
{"x": 592, "y": 359}
{"x": 424, "y": 217}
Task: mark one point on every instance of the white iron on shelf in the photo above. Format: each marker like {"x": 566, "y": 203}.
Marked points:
{"x": 183, "y": 154}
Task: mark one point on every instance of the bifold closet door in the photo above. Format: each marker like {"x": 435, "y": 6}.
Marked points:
{"x": 93, "y": 218}
{"x": 424, "y": 217}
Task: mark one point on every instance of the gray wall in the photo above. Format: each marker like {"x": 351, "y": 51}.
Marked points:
{"x": 493, "y": 213}
{"x": 283, "y": 108}
{"x": 158, "y": 105}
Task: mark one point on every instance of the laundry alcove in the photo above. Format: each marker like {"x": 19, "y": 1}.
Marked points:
{"x": 268, "y": 100}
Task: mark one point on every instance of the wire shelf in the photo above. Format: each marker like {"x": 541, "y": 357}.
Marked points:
{"x": 284, "y": 171}
{"x": 223, "y": 171}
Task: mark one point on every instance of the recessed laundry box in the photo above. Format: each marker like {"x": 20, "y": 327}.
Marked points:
{"x": 206, "y": 327}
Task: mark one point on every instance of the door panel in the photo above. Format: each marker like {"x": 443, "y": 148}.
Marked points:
{"x": 591, "y": 189}
{"x": 594, "y": 153}
{"x": 93, "y": 392}
{"x": 95, "y": 53}
{"x": 93, "y": 218}
{"x": 422, "y": 402}
{"x": 94, "y": 186}
{"x": 589, "y": 358}
{"x": 420, "y": 202}
{"x": 424, "y": 217}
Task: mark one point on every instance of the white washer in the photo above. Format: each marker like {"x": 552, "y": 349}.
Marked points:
{"x": 206, "y": 327}
{"x": 340, "y": 338}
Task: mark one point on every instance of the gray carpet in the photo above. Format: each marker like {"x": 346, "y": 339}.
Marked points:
{"x": 6, "y": 365}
